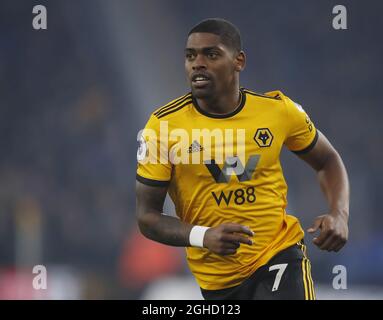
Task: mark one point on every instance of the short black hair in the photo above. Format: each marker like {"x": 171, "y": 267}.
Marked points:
{"x": 229, "y": 33}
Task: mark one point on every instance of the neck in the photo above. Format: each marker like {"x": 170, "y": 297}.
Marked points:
{"x": 223, "y": 104}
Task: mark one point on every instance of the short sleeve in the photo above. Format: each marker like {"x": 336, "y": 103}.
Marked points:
{"x": 154, "y": 167}
{"x": 301, "y": 135}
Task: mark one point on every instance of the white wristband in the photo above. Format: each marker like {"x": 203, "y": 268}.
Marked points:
{"x": 196, "y": 236}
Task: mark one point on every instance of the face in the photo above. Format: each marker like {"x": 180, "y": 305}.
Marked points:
{"x": 211, "y": 67}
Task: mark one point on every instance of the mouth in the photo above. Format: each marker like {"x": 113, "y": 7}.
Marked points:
{"x": 200, "y": 80}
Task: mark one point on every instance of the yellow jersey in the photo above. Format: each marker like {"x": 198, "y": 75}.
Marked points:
{"x": 226, "y": 168}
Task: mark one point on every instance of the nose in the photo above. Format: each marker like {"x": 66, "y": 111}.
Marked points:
{"x": 199, "y": 62}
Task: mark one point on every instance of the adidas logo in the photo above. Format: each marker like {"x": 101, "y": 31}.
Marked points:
{"x": 195, "y": 147}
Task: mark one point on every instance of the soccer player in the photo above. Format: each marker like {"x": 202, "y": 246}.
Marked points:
{"x": 230, "y": 202}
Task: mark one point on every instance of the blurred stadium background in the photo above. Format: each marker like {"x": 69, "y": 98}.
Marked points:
{"x": 73, "y": 97}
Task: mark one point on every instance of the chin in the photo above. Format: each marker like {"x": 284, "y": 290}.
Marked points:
{"x": 202, "y": 93}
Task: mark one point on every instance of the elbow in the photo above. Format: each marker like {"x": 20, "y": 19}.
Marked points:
{"x": 146, "y": 224}
{"x": 142, "y": 224}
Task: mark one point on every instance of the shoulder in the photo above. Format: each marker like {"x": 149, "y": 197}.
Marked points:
{"x": 276, "y": 96}
{"x": 173, "y": 108}
{"x": 271, "y": 95}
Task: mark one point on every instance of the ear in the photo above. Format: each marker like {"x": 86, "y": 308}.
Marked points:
{"x": 240, "y": 61}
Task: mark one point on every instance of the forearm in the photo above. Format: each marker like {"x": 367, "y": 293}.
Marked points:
{"x": 165, "y": 229}
{"x": 334, "y": 183}
{"x": 223, "y": 239}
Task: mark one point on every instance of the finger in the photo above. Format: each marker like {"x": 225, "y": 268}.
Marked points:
{"x": 331, "y": 247}
{"x": 321, "y": 238}
{"x": 340, "y": 245}
{"x": 329, "y": 243}
{"x": 335, "y": 243}
{"x": 237, "y": 238}
{"x": 233, "y": 227}
{"x": 231, "y": 245}
{"x": 316, "y": 225}
{"x": 229, "y": 252}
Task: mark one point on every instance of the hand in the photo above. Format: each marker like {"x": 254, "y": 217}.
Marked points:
{"x": 333, "y": 232}
{"x": 226, "y": 238}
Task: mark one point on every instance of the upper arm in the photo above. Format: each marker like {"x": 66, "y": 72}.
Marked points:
{"x": 304, "y": 139}
{"x": 149, "y": 199}
{"x": 153, "y": 174}
{"x": 317, "y": 156}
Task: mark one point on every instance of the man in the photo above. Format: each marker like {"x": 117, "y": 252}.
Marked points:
{"x": 240, "y": 242}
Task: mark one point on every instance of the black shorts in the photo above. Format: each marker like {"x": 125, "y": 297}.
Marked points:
{"x": 287, "y": 276}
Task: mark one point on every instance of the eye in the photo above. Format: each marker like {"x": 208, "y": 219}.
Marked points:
{"x": 212, "y": 55}
{"x": 189, "y": 56}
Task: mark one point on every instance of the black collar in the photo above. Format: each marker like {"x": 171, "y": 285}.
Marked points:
{"x": 226, "y": 115}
